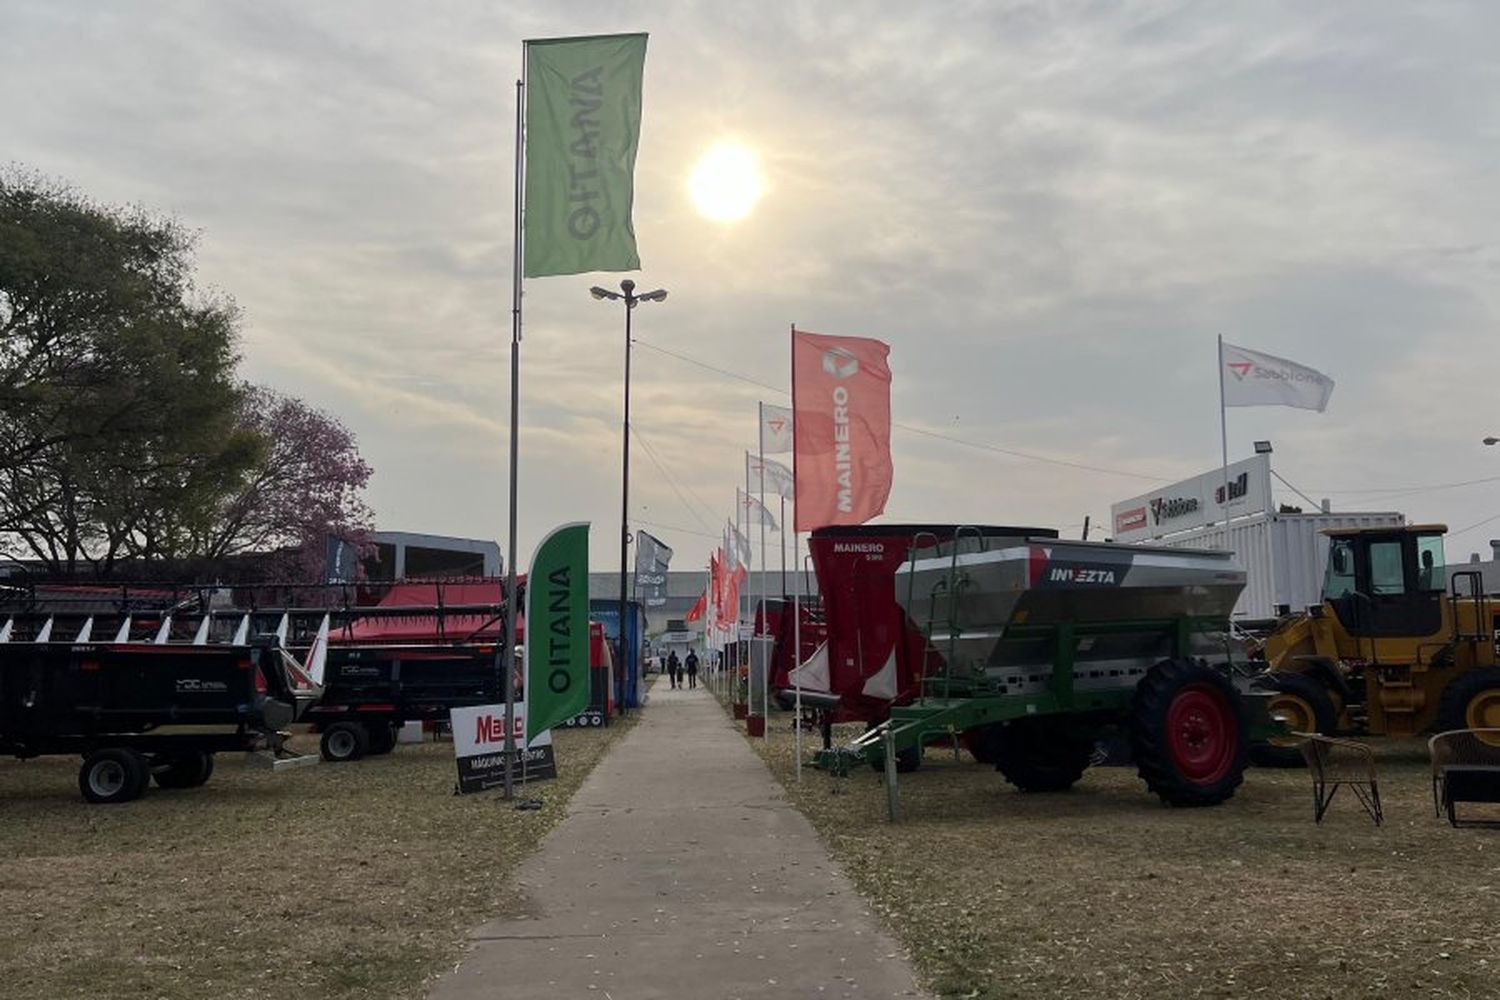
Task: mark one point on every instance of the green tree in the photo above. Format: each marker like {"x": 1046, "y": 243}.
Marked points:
{"x": 118, "y": 402}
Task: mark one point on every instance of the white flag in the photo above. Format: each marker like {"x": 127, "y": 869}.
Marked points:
{"x": 775, "y": 429}
{"x": 755, "y": 512}
{"x": 778, "y": 477}
{"x": 736, "y": 547}
{"x": 1255, "y": 379}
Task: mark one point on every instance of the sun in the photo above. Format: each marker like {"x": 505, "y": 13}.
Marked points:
{"x": 725, "y": 183}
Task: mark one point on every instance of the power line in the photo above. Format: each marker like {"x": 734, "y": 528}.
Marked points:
{"x": 1399, "y": 490}
{"x": 707, "y": 509}
{"x": 996, "y": 449}
{"x": 674, "y": 527}
{"x": 1476, "y": 524}
{"x": 671, "y": 480}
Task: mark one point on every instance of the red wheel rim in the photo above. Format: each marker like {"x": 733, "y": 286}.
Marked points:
{"x": 1201, "y": 733}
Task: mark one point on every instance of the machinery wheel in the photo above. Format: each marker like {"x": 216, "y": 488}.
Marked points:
{"x": 382, "y": 740}
{"x": 980, "y": 742}
{"x": 344, "y": 741}
{"x": 187, "y": 769}
{"x": 1189, "y": 733}
{"x": 1471, "y": 700}
{"x": 1041, "y": 757}
{"x": 1306, "y": 706}
{"x": 114, "y": 774}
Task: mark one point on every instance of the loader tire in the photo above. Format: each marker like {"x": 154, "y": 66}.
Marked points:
{"x": 187, "y": 769}
{"x": 344, "y": 741}
{"x": 113, "y": 774}
{"x": 1306, "y": 705}
{"x": 1471, "y": 701}
{"x": 1189, "y": 733}
{"x": 1041, "y": 757}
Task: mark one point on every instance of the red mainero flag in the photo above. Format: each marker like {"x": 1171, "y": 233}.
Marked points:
{"x": 841, "y": 404}
{"x": 698, "y": 608}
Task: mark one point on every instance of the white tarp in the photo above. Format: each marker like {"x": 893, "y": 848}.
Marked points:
{"x": 882, "y": 683}
{"x": 812, "y": 675}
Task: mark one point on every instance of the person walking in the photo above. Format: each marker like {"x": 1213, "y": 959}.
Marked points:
{"x": 692, "y": 669}
{"x": 674, "y": 668}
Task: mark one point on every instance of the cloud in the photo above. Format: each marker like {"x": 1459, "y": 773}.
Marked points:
{"x": 1048, "y": 211}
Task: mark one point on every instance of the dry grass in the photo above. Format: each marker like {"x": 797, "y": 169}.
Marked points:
{"x": 1104, "y": 892}
{"x": 356, "y": 880}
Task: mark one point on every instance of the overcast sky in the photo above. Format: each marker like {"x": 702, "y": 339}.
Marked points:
{"x": 1049, "y": 210}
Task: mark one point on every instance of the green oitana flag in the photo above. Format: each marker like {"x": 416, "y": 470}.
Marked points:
{"x": 557, "y": 629}
{"x": 583, "y": 123}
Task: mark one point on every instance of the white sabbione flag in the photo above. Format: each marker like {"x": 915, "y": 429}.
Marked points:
{"x": 775, "y": 429}
{"x": 736, "y": 547}
{"x": 1255, "y": 379}
{"x": 756, "y": 513}
{"x": 779, "y": 478}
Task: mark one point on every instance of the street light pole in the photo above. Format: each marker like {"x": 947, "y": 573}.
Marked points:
{"x": 627, "y": 287}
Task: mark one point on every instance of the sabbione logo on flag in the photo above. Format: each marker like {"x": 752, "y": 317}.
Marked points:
{"x": 1256, "y": 379}
{"x": 775, "y": 429}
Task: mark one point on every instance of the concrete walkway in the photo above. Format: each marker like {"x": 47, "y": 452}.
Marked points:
{"x": 680, "y": 871}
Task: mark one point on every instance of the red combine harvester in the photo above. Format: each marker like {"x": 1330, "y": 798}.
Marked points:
{"x": 876, "y": 655}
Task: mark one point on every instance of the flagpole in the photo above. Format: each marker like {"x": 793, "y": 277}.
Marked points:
{"x": 749, "y": 613}
{"x": 765, "y": 585}
{"x": 1224, "y": 438}
{"x": 796, "y": 565}
{"x": 796, "y": 642}
{"x": 505, "y": 655}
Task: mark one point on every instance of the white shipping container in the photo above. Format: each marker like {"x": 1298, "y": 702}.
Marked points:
{"x": 1283, "y": 554}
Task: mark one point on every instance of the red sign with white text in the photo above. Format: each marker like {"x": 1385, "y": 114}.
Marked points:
{"x": 841, "y": 403}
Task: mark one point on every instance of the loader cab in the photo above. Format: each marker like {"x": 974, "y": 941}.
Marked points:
{"x": 1387, "y": 581}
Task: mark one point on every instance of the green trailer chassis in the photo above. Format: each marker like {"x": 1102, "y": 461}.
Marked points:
{"x": 955, "y": 701}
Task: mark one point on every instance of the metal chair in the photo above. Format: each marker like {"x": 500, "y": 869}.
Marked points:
{"x": 1336, "y": 763}
{"x": 1469, "y": 758}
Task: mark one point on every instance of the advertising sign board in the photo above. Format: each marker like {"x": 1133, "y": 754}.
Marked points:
{"x": 479, "y": 746}
{"x": 1195, "y": 502}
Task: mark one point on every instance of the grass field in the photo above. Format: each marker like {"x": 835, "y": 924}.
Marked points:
{"x": 355, "y": 880}
{"x": 1103, "y": 892}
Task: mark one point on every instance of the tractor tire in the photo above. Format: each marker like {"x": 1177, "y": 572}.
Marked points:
{"x": 114, "y": 774}
{"x": 1038, "y": 757}
{"x": 980, "y": 742}
{"x": 1306, "y": 704}
{"x": 344, "y": 741}
{"x": 382, "y": 740}
{"x": 187, "y": 769}
{"x": 1189, "y": 733}
{"x": 1471, "y": 701}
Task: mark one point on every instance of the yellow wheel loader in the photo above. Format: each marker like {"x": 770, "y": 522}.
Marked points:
{"x": 1396, "y": 648}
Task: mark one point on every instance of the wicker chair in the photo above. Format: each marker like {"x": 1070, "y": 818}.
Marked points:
{"x": 1474, "y": 752}
{"x": 1335, "y": 763}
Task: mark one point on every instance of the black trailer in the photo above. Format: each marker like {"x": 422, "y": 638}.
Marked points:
{"x": 139, "y": 711}
{"x": 369, "y": 691}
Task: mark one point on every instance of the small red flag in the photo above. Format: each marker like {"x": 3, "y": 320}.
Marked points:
{"x": 698, "y": 608}
{"x": 841, "y": 403}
